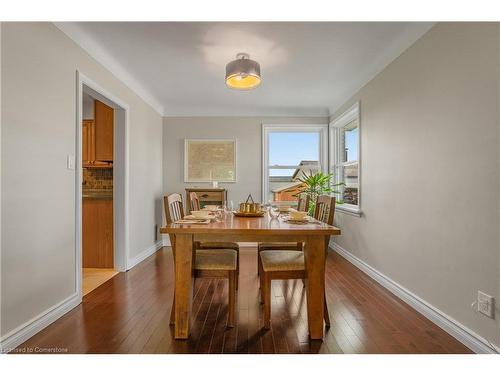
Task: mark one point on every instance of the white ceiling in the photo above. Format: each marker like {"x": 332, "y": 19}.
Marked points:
{"x": 308, "y": 69}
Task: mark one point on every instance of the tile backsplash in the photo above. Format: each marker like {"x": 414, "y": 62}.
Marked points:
{"x": 98, "y": 178}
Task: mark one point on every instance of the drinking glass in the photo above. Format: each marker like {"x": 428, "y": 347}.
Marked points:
{"x": 227, "y": 208}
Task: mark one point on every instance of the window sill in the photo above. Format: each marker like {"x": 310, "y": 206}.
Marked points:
{"x": 354, "y": 211}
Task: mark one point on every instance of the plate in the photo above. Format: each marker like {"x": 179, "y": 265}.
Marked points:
{"x": 192, "y": 217}
{"x": 249, "y": 214}
{"x": 304, "y": 221}
{"x": 184, "y": 221}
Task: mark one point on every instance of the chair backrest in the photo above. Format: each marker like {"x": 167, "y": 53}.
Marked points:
{"x": 174, "y": 209}
{"x": 325, "y": 209}
{"x": 303, "y": 204}
{"x": 195, "y": 201}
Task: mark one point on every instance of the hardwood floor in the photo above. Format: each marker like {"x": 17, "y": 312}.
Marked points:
{"x": 94, "y": 277}
{"x": 130, "y": 314}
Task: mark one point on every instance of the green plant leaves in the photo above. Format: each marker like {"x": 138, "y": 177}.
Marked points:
{"x": 318, "y": 184}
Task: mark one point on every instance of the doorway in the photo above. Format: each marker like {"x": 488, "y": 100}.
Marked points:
{"x": 101, "y": 186}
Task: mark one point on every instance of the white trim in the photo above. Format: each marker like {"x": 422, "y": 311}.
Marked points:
{"x": 348, "y": 209}
{"x": 74, "y": 31}
{"x": 144, "y": 254}
{"x": 0, "y": 177}
{"x": 336, "y": 150}
{"x": 78, "y": 187}
{"x": 463, "y": 334}
{"x": 234, "y": 140}
{"x": 322, "y": 129}
{"x": 22, "y": 333}
{"x": 121, "y": 253}
{"x": 346, "y": 117}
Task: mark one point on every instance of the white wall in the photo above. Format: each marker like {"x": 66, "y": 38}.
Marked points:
{"x": 39, "y": 65}
{"x": 431, "y": 172}
{"x": 248, "y": 133}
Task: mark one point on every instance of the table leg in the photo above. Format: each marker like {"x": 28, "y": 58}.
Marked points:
{"x": 314, "y": 252}
{"x": 183, "y": 284}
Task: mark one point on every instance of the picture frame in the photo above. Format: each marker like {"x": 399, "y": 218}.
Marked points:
{"x": 209, "y": 160}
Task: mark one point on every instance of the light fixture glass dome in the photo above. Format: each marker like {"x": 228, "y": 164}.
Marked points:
{"x": 243, "y": 73}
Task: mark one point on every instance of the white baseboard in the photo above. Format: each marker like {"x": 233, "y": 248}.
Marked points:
{"x": 144, "y": 254}
{"x": 22, "y": 333}
{"x": 463, "y": 334}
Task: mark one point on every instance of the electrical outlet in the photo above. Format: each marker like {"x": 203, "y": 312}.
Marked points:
{"x": 70, "y": 162}
{"x": 485, "y": 304}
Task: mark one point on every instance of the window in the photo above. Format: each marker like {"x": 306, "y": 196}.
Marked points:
{"x": 289, "y": 152}
{"x": 345, "y": 159}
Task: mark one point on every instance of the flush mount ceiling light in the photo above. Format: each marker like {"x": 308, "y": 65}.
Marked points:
{"x": 243, "y": 73}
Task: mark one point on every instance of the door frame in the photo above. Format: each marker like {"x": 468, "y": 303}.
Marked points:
{"x": 120, "y": 177}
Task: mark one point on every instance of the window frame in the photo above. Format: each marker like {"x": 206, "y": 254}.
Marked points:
{"x": 336, "y": 151}
{"x": 322, "y": 129}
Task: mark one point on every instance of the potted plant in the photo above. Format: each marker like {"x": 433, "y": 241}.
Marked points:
{"x": 317, "y": 184}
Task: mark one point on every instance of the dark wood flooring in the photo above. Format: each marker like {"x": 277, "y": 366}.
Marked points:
{"x": 130, "y": 313}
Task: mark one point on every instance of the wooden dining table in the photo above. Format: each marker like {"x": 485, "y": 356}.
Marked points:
{"x": 314, "y": 235}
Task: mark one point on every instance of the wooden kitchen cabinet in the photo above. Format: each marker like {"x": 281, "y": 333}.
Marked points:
{"x": 88, "y": 154}
{"x": 97, "y": 137}
{"x": 97, "y": 234}
{"x": 104, "y": 125}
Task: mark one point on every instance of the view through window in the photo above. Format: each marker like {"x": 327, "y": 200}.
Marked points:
{"x": 291, "y": 155}
{"x": 347, "y": 168}
{"x": 344, "y": 162}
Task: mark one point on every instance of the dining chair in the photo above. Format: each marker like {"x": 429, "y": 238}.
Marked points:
{"x": 303, "y": 202}
{"x": 212, "y": 263}
{"x": 290, "y": 264}
{"x": 195, "y": 205}
{"x": 302, "y": 205}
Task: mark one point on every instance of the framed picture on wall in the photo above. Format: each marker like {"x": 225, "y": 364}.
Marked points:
{"x": 207, "y": 160}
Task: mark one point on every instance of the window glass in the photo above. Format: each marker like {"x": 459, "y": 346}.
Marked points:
{"x": 291, "y": 155}
{"x": 344, "y": 158}
{"x": 349, "y": 191}
{"x": 291, "y": 148}
{"x": 350, "y": 141}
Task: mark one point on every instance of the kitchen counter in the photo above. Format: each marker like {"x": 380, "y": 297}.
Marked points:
{"x": 97, "y": 194}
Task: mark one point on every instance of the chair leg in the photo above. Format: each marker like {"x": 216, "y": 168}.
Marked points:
{"x": 258, "y": 260}
{"x": 172, "y": 312}
{"x": 237, "y": 268}
{"x": 261, "y": 282}
{"x": 326, "y": 314}
{"x": 232, "y": 299}
{"x": 267, "y": 300}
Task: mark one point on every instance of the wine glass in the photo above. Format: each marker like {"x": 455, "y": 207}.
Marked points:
{"x": 227, "y": 207}
{"x": 274, "y": 212}
{"x": 268, "y": 205}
